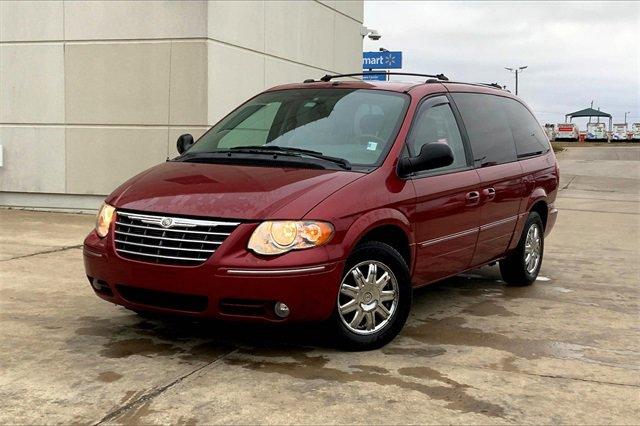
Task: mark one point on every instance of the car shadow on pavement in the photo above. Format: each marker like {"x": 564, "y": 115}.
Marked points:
{"x": 126, "y": 333}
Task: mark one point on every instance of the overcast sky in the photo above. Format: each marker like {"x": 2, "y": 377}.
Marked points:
{"x": 576, "y": 52}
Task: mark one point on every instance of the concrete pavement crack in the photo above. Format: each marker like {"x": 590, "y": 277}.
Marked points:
{"x": 546, "y": 376}
{"x": 551, "y": 376}
{"x": 55, "y": 250}
{"x": 599, "y": 211}
{"x": 151, "y": 395}
{"x": 568, "y": 183}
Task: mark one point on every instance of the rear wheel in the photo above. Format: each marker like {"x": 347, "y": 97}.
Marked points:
{"x": 521, "y": 267}
{"x": 374, "y": 298}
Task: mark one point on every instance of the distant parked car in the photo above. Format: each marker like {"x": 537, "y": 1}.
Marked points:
{"x": 635, "y": 132}
{"x": 567, "y": 131}
{"x": 550, "y": 130}
{"x": 596, "y": 132}
{"x": 619, "y": 132}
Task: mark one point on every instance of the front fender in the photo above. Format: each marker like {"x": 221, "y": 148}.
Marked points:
{"x": 371, "y": 220}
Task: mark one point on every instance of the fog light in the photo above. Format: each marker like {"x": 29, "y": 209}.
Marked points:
{"x": 281, "y": 310}
{"x": 95, "y": 284}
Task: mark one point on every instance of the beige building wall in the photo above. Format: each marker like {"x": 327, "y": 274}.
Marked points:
{"x": 93, "y": 92}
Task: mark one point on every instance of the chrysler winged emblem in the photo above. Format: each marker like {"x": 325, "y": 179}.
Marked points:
{"x": 166, "y": 222}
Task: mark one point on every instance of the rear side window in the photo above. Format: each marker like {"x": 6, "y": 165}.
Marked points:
{"x": 529, "y": 136}
{"x": 487, "y": 125}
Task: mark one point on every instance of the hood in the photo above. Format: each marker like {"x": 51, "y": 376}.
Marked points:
{"x": 229, "y": 191}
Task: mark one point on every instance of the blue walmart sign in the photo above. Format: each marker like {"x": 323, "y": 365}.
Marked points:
{"x": 375, "y": 76}
{"x": 381, "y": 60}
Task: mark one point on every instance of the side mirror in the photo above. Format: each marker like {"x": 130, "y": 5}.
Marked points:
{"x": 432, "y": 156}
{"x": 184, "y": 142}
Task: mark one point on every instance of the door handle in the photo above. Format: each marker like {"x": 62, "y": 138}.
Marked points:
{"x": 489, "y": 193}
{"x": 473, "y": 198}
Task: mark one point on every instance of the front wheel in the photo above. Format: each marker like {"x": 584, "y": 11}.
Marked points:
{"x": 374, "y": 298}
{"x": 521, "y": 267}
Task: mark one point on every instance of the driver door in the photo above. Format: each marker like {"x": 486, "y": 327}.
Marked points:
{"x": 447, "y": 199}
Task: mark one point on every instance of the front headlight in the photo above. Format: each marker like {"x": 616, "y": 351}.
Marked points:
{"x": 276, "y": 237}
{"x": 105, "y": 216}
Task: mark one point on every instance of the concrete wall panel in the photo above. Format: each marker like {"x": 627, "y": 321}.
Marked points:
{"x": 118, "y": 83}
{"x": 235, "y": 75}
{"x": 98, "y": 159}
{"x": 108, "y": 20}
{"x": 188, "y": 100}
{"x": 300, "y": 31}
{"x": 352, "y": 8}
{"x": 95, "y": 91}
{"x": 240, "y": 23}
{"x": 31, "y": 83}
{"x": 278, "y": 72}
{"x": 31, "y": 20}
{"x": 347, "y": 40}
{"x": 34, "y": 159}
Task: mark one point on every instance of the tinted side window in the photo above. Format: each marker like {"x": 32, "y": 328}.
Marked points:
{"x": 435, "y": 123}
{"x": 529, "y": 136}
{"x": 488, "y": 128}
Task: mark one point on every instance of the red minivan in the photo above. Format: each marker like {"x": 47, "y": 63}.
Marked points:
{"x": 330, "y": 201}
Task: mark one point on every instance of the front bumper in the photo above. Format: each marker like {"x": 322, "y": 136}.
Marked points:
{"x": 246, "y": 293}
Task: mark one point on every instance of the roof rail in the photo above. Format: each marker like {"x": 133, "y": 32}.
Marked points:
{"x": 329, "y": 77}
{"x": 438, "y": 78}
{"x": 492, "y": 85}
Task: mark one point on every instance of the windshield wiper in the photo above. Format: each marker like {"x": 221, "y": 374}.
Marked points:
{"x": 290, "y": 151}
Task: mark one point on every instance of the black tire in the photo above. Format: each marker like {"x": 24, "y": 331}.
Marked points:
{"x": 385, "y": 256}
{"x": 513, "y": 268}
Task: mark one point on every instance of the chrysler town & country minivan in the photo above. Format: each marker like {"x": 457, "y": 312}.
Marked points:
{"x": 331, "y": 201}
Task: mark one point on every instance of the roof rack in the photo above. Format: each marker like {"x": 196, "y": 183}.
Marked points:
{"x": 329, "y": 77}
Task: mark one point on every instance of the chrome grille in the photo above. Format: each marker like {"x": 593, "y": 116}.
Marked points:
{"x": 169, "y": 240}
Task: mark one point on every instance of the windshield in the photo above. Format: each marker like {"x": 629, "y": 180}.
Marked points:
{"x": 351, "y": 124}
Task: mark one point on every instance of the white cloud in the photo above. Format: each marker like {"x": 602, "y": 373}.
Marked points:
{"x": 576, "y": 51}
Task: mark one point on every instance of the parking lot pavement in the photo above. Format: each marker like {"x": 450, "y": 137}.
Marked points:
{"x": 565, "y": 350}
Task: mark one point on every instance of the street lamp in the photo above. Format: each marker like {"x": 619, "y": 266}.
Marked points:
{"x": 516, "y": 71}
{"x": 625, "y": 117}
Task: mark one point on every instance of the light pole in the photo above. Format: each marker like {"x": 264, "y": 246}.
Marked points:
{"x": 516, "y": 71}
{"x": 386, "y": 77}
{"x": 625, "y": 117}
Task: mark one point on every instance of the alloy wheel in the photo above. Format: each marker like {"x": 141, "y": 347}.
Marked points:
{"x": 533, "y": 249}
{"x": 368, "y": 297}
